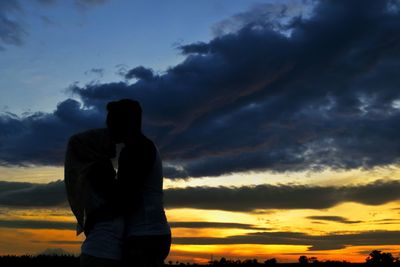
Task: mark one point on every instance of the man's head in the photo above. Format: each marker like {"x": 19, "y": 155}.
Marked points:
{"x": 124, "y": 119}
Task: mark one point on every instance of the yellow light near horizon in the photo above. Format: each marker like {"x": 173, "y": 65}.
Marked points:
{"x": 207, "y": 232}
{"x": 200, "y": 215}
{"x": 372, "y": 218}
{"x": 31, "y": 174}
{"x": 33, "y": 241}
{"x": 24, "y": 241}
{"x": 327, "y": 177}
{"x": 40, "y": 214}
{"x": 240, "y": 249}
{"x": 367, "y": 217}
{"x": 52, "y": 235}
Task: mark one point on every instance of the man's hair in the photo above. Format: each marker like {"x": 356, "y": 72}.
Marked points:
{"x": 126, "y": 111}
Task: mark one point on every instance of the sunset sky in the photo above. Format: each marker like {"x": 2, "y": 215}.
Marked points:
{"x": 277, "y": 121}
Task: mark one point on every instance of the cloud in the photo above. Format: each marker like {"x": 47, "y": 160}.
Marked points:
{"x": 78, "y": 3}
{"x": 214, "y": 225}
{"x": 96, "y": 71}
{"x": 14, "y": 29}
{"x": 11, "y": 30}
{"x": 35, "y": 224}
{"x": 90, "y": 2}
{"x": 140, "y": 73}
{"x": 315, "y": 242}
{"x": 339, "y": 219}
{"x": 248, "y": 198}
{"x": 386, "y": 221}
{"x": 31, "y": 195}
{"x": 62, "y": 225}
{"x": 41, "y": 138}
{"x": 273, "y": 15}
{"x": 315, "y": 89}
{"x": 242, "y": 199}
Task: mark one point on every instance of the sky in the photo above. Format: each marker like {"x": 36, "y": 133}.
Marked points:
{"x": 277, "y": 121}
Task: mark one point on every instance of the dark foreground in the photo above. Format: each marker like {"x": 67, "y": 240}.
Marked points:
{"x": 73, "y": 261}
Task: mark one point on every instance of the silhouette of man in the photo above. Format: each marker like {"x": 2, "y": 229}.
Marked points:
{"x": 140, "y": 179}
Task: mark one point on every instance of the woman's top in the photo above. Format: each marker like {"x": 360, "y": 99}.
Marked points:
{"x": 105, "y": 239}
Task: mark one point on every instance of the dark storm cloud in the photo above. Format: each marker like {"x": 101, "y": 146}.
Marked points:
{"x": 244, "y": 199}
{"x": 280, "y": 196}
{"x": 273, "y": 15}
{"x": 315, "y": 242}
{"x": 41, "y": 138}
{"x": 339, "y": 219}
{"x": 140, "y": 73}
{"x": 30, "y": 195}
{"x": 256, "y": 99}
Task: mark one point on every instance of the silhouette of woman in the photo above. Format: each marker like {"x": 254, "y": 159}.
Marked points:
{"x": 92, "y": 194}
{"x": 104, "y": 226}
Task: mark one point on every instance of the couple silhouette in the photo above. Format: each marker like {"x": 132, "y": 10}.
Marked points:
{"x": 121, "y": 213}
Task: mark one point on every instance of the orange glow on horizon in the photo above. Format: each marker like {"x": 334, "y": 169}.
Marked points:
{"x": 355, "y": 218}
{"x": 283, "y": 253}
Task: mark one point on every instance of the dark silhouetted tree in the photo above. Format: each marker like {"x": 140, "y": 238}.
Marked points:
{"x": 271, "y": 262}
{"x": 377, "y": 257}
{"x": 303, "y": 260}
{"x": 313, "y": 260}
{"x": 222, "y": 261}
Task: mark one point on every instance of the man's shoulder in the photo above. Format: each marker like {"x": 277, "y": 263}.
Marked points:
{"x": 145, "y": 148}
{"x": 147, "y": 142}
{"x": 142, "y": 143}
